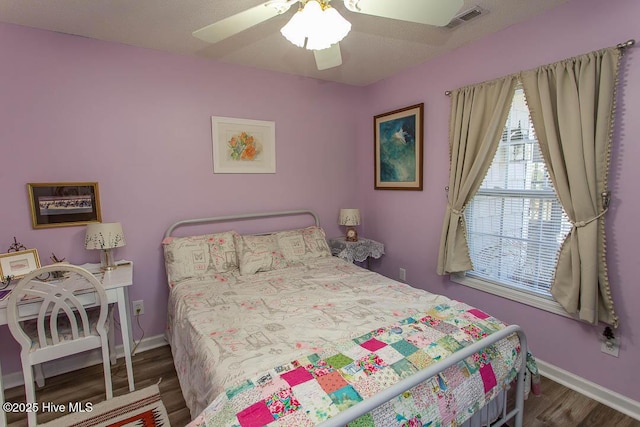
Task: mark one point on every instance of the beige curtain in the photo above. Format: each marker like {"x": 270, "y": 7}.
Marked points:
{"x": 478, "y": 115}
{"x": 572, "y": 108}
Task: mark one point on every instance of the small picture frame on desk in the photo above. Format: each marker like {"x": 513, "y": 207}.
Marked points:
{"x": 18, "y": 264}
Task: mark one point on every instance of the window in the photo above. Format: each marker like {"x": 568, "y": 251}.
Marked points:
{"x": 515, "y": 223}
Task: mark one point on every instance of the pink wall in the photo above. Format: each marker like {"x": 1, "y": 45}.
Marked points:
{"x": 410, "y": 223}
{"x": 138, "y": 122}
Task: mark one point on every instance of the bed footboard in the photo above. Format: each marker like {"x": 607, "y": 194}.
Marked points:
{"x": 367, "y": 405}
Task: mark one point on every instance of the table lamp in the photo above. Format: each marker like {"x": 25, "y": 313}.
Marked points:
{"x": 350, "y": 218}
{"x": 105, "y": 236}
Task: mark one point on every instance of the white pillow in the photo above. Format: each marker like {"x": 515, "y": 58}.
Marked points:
{"x": 303, "y": 244}
{"x": 197, "y": 256}
{"x": 258, "y": 253}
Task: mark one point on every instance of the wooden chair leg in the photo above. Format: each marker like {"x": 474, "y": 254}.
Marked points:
{"x": 107, "y": 369}
{"x": 39, "y": 374}
{"x": 29, "y": 391}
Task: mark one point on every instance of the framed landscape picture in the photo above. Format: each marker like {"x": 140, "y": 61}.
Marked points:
{"x": 243, "y": 146}
{"x": 398, "y": 147}
{"x": 63, "y": 204}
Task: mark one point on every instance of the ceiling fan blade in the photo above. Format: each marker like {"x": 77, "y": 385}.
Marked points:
{"x": 234, "y": 24}
{"x": 430, "y": 12}
{"x": 328, "y": 58}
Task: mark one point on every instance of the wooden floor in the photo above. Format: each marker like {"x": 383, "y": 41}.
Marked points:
{"x": 560, "y": 406}
{"x": 87, "y": 385}
{"x": 557, "y": 406}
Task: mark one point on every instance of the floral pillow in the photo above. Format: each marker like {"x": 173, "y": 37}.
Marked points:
{"x": 259, "y": 253}
{"x": 303, "y": 244}
{"x": 197, "y": 256}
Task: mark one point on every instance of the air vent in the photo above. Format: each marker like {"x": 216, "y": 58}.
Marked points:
{"x": 466, "y": 16}
{"x": 470, "y": 14}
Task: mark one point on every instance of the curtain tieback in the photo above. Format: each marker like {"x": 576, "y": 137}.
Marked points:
{"x": 579, "y": 224}
{"x": 455, "y": 211}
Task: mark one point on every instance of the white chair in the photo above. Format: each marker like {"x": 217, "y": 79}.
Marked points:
{"x": 56, "y": 311}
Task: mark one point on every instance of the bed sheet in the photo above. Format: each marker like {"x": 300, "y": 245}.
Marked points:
{"x": 230, "y": 329}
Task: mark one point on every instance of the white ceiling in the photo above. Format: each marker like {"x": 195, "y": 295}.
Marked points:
{"x": 374, "y": 49}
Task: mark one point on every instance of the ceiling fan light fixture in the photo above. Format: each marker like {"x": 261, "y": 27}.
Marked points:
{"x": 318, "y": 23}
{"x": 294, "y": 30}
{"x": 332, "y": 29}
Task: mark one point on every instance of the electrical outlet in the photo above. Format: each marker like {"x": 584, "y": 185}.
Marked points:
{"x": 403, "y": 275}
{"x": 611, "y": 347}
{"x": 138, "y": 307}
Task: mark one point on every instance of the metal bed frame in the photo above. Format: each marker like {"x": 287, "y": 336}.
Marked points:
{"x": 226, "y": 218}
{"x": 367, "y": 405}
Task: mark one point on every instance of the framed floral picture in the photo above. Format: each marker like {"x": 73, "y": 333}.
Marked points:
{"x": 243, "y": 146}
{"x": 398, "y": 147}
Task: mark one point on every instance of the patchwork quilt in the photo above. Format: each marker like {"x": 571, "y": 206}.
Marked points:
{"x": 311, "y": 389}
{"x": 291, "y": 347}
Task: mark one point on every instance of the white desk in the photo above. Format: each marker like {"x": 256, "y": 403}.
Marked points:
{"x": 116, "y": 285}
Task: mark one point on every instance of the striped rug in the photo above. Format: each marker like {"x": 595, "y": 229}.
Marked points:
{"x": 139, "y": 408}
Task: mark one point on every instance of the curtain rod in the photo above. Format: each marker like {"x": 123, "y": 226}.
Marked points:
{"x": 622, "y": 46}
{"x": 626, "y": 44}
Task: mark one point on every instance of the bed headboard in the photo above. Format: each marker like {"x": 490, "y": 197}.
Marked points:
{"x": 238, "y": 217}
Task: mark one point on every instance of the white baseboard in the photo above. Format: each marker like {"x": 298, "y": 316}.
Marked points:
{"x": 90, "y": 358}
{"x": 592, "y": 390}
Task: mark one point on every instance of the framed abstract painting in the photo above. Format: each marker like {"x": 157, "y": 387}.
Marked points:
{"x": 398, "y": 147}
{"x": 243, "y": 146}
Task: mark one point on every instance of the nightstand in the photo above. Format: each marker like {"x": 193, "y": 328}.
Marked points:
{"x": 362, "y": 250}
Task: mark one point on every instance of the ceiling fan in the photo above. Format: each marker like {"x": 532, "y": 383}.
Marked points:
{"x": 319, "y": 27}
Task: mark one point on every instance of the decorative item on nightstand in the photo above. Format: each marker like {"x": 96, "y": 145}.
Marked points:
{"x": 350, "y": 218}
{"x": 105, "y": 236}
